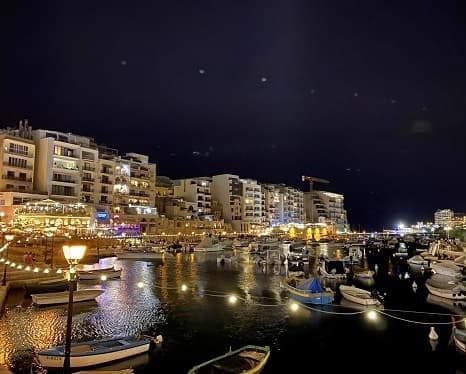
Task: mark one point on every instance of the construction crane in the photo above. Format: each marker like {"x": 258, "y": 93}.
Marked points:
{"x": 311, "y": 181}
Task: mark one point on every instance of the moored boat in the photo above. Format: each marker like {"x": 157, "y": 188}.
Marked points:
{"x": 52, "y": 298}
{"x": 47, "y": 285}
{"x": 308, "y": 291}
{"x": 99, "y": 274}
{"x": 459, "y": 338}
{"x": 358, "y": 295}
{"x": 449, "y": 290}
{"x": 249, "y": 359}
{"x": 95, "y": 352}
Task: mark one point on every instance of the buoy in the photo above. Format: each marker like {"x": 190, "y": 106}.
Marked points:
{"x": 433, "y": 334}
{"x": 158, "y": 339}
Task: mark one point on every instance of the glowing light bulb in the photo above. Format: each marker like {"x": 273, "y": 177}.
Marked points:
{"x": 294, "y": 307}
{"x": 184, "y": 287}
{"x": 103, "y": 278}
{"x": 372, "y": 315}
{"x": 140, "y": 284}
{"x": 232, "y": 299}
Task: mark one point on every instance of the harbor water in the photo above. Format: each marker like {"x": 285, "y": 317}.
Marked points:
{"x": 199, "y": 322}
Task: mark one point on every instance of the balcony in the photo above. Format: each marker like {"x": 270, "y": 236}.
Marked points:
{"x": 27, "y": 167}
{"x": 88, "y": 168}
{"x": 13, "y": 178}
{"x": 105, "y": 181}
{"x": 87, "y": 179}
{"x": 19, "y": 153}
{"x": 106, "y": 171}
{"x": 63, "y": 179}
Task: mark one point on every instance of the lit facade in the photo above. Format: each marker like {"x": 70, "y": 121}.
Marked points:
{"x": 443, "y": 217}
{"x": 325, "y": 207}
{"x": 196, "y": 191}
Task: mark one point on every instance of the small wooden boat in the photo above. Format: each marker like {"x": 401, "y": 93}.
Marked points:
{"x": 358, "y": 295}
{"x": 308, "y": 291}
{"x": 47, "y": 285}
{"x": 249, "y": 359}
{"x": 95, "y": 352}
{"x": 52, "y": 298}
{"x": 99, "y": 274}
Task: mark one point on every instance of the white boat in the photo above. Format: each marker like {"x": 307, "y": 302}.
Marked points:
{"x": 459, "y": 338}
{"x": 417, "y": 263}
{"x": 95, "y": 352}
{"x": 99, "y": 274}
{"x": 448, "y": 268}
{"x": 52, "y": 298}
{"x": 449, "y": 290}
{"x": 358, "y": 295}
{"x": 209, "y": 244}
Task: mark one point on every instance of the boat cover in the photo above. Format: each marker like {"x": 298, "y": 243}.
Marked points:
{"x": 311, "y": 284}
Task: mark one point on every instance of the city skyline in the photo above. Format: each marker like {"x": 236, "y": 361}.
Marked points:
{"x": 370, "y": 97}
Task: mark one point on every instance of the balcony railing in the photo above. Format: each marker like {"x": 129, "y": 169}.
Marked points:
{"x": 19, "y": 153}
{"x": 28, "y": 167}
{"x": 14, "y": 178}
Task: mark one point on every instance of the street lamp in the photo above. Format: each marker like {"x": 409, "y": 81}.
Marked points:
{"x": 73, "y": 255}
{"x": 448, "y": 229}
{"x": 8, "y": 238}
{"x": 99, "y": 235}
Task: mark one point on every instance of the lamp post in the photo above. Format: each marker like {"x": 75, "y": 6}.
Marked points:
{"x": 99, "y": 235}
{"x": 8, "y": 238}
{"x": 73, "y": 255}
{"x": 448, "y": 229}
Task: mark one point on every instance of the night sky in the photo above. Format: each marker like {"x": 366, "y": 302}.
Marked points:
{"x": 369, "y": 95}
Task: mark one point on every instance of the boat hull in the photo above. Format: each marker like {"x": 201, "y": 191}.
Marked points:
{"x": 53, "y": 298}
{"x": 54, "y": 358}
{"x": 307, "y": 297}
{"x": 358, "y": 296}
{"x": 445, "y": 293}
{"x": 256, "y": 358}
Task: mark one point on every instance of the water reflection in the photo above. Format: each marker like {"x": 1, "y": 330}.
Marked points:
{"x": 198, "y": 322}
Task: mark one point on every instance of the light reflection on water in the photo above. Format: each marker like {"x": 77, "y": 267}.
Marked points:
{"x": 198, "y": 322}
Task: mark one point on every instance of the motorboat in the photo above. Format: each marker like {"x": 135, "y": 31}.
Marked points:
{"x": 209, "y": 244}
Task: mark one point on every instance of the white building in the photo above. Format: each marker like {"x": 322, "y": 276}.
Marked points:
{"x": 196, "y": 191}
{"x": 283, "y": 204}
{"x": 62, "y": 161}
{"x": 443, "y": 217}
{"x": 325, "y": 207}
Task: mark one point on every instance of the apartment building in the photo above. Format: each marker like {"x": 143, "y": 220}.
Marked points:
{"x": 227, "y": 190}
{"x": 241, "y": 200}
{"x": 325, "y": 207}
{"x": 196, "y": 191}
{"x": 444, "y": 217}
{"x": 62, "y": 161}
